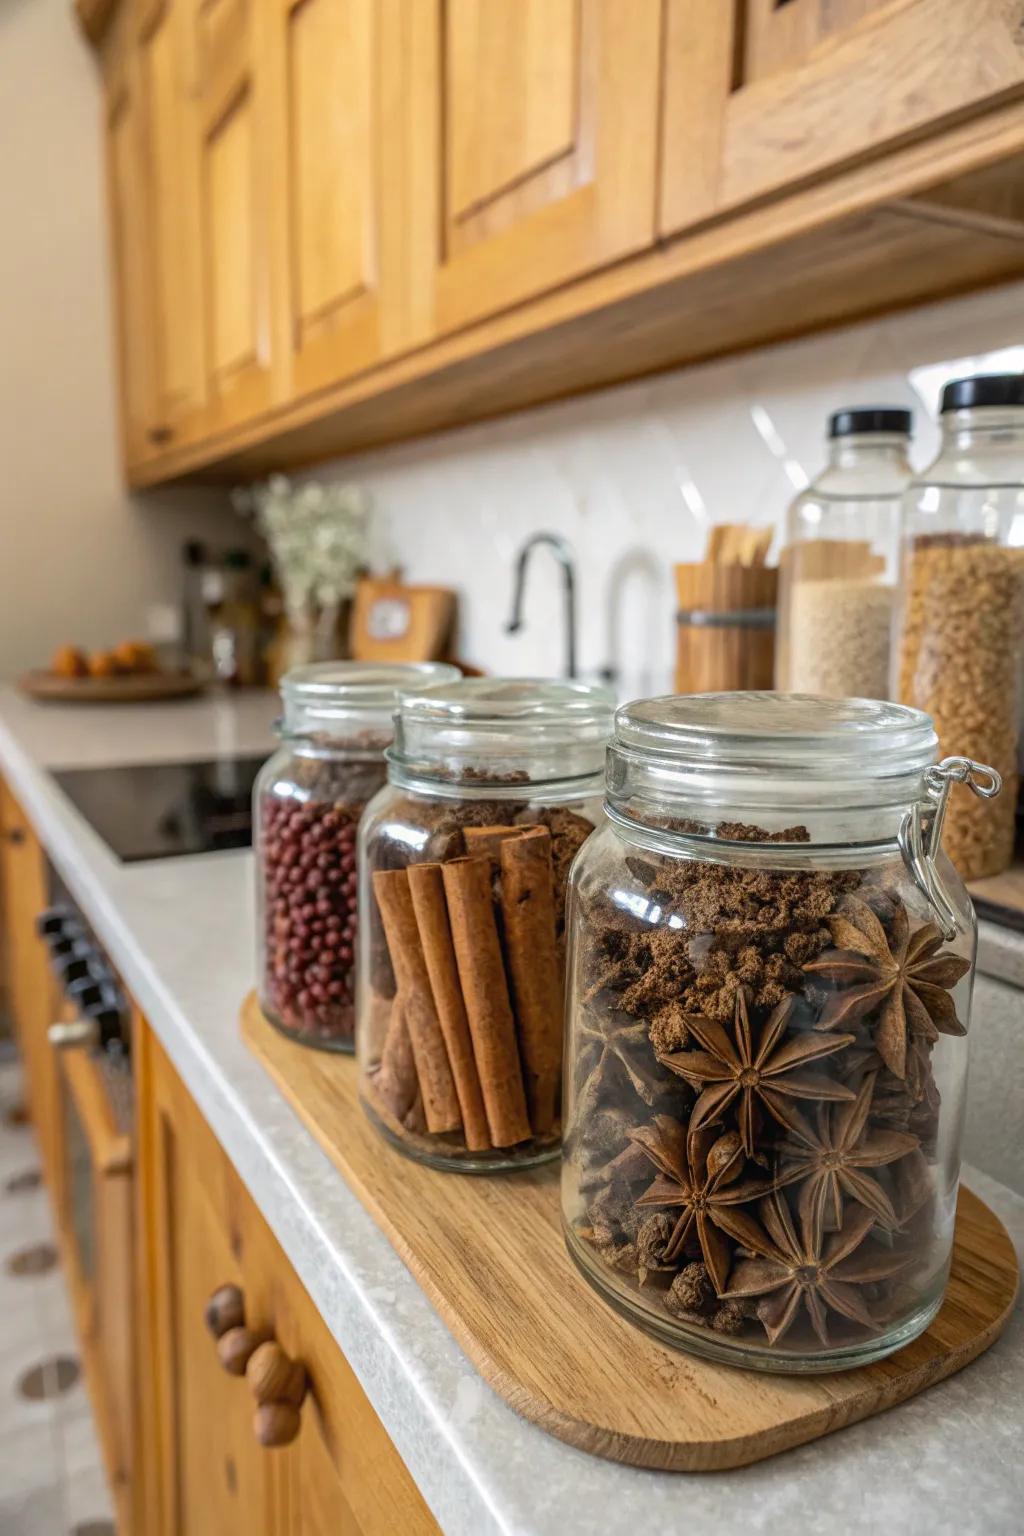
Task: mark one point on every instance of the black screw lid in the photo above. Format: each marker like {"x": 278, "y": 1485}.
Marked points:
{"x": 983, "y": 389}
{"x": 855, "y": 419}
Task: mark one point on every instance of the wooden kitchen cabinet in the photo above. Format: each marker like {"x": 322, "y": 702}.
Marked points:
{"x": 764, "y": 95}
{"x": 337, "y": 223}
{"x": 539, "y": 129}
{"x": 203, "y": 1472}
{"x": 30, "y": 987}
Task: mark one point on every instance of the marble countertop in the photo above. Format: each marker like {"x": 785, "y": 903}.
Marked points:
{"x": 181, "y": 932}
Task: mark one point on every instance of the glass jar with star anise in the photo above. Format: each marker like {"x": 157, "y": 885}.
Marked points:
{"x": 770, "y": 969}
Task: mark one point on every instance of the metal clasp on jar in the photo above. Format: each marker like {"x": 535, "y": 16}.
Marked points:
{"x": 920, "y": 835}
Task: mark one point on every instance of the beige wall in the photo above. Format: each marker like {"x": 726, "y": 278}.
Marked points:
{"x": 80, "y": 560}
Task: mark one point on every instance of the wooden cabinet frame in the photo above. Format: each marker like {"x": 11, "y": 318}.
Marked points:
{"x": 898, "y": 71}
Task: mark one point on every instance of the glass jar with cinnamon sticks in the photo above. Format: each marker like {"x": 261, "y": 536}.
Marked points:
{"x": 493, "y": 786}
{"x": 307, "y": 802}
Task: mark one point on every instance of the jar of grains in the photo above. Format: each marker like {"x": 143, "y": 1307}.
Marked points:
{"x": 837, "y": 573}
{"x": 307, "y": 802}
{"x": 492, "y": 788}
{"x": 770, "y": 970}
{"x": 961, "y": 631}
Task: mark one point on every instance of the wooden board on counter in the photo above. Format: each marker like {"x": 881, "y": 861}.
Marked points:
{"x": 1000, "y": 898}
{"x": 132, "y": 688}
{"x": 489, "y": 1253}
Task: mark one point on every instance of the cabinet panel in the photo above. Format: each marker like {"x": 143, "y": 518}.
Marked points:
{"x": 234, "y": 210}
{"x": 126, "y": 204}
{"x": 536, "y": 179}
{"x": 30, "y": 986}
{"x": 202, "y": 1472}
{"x": 175, "y": 272}
{"x": 341, "y": 131}
{"x": 231, "y": 236}
{"x": 762, "y": 97}
{"x": 211, "y": 1475}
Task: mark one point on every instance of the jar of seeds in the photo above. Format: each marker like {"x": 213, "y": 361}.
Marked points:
{"x": 837, "y": 571}
{"x": 769, "y": 990}
{"x": 961, "y": 622}
{"x": 493, "y": 787}
{"x": 307, "y": 802}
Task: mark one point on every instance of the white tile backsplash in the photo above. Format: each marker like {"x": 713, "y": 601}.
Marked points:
{"x": 633, "y": 476}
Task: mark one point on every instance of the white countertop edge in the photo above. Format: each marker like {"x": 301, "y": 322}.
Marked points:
{"x": 948, "y": 1455}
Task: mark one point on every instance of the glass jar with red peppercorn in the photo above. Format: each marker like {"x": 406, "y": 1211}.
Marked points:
{"x": 307, "y": 802}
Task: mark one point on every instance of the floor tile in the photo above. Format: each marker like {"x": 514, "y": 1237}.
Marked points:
{"x": 38, "y": 1513}
{"x": 87, "y": 1497}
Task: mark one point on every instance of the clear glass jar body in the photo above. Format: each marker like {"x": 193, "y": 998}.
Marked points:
{"x": 463, "y": 861}
{"x": 307, "y": 801}
{"x": 838, "y": 571}
{"x": 766, "y": 1061}
{"x": 960, "y": 642}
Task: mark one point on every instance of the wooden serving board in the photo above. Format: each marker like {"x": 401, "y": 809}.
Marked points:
{"x": 489, "y": 1252}
{"x": 140, "y": 688}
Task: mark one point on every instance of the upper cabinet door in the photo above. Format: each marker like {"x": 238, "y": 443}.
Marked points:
{"x": 544, "y": 127}
{"x": 173, "y": 255}
{"x": 126, "y": 197}
{"x": 234, "y": 168}
{"x": 338, "y": 235}
{"x": 761, "y": 95}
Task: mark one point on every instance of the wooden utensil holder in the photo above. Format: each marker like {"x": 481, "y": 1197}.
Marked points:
{"x": 725, "y": 627}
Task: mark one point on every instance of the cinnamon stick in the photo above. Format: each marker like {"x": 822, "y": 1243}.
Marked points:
{"x": 440, "y": 1100}
{"x": 528, "y": 917}
{"x": 467, "y": 887}
{"x": 395, "y": 1079}
{"x": 426, "y": 885}
{"x": 488, "y": 840}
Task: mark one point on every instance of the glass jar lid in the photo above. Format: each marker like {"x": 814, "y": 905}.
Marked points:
{"x": 335, "y": 698}
{"x": 482, "y": 729}
{"x": 730, "y": 753}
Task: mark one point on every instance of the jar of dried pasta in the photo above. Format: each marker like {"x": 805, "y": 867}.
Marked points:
{"x": 961, "y": 624}
{"x": 770, "y": 971}
{"x": 493, "y": 787}
{"x": 307, "y": 802}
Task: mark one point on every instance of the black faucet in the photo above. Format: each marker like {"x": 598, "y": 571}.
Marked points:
{"x": 562, "y": 551}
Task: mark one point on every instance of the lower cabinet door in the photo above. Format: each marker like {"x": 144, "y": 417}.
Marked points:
{"x": 213, "y": 1477}
{"x": 338, "y": 1473}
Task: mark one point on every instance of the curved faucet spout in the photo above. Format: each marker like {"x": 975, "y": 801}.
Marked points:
{"x": 563, "y": 553}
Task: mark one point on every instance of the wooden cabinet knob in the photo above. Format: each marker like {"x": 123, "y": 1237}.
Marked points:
{"x": 159, "y": 435}
{"x": 224, "y": 1310}
{"x": 277, "y": 1382}
{"x": 274, "y": 1377}
{"x": 276, "y": 1424}
{"x": 235, "y": 1349}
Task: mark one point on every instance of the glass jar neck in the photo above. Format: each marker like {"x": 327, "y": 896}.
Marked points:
{"x": 984, "y": 428}
{"x": 664, "y": 800}
{"x": 869, "y": 450}
{"x": 354, "y": 733}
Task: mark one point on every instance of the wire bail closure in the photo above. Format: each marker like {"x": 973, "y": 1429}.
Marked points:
{"x": 920, "y": 835}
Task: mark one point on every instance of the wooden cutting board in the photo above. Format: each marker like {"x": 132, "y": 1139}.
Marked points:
{"x": 489, "y": 1253}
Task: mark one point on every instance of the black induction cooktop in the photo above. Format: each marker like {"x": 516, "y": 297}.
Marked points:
{"x": 164, "y": 810}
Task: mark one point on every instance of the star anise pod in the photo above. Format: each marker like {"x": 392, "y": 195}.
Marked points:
{"x": 829, "y": 1161}
{"x": 903, "y": 975}
{"x": 610, "y": 1044}
{"x": 822, "y": 1274}
{"x": 769, "y": 1070}
{"x": 698, "y": 1176}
